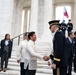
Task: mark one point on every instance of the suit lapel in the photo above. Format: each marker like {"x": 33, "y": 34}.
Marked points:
{"x": 8, "y": 42}
{"x": 69, "y": 41}
{"x": 4, "y": 42}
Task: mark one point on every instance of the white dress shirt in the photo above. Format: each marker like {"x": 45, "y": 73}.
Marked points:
{"x": 22, "y": 51}
{"x": 6, "y": 42}
{"x": 70, "y": 39}
{"x": 31, "y": 57}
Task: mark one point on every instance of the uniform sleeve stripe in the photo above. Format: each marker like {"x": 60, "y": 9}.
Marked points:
{"x": 56, "y": 59}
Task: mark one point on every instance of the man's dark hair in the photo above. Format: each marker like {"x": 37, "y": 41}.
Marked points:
{"x": 25, "y": 34}
{"x": 70, "y": 33}
{"x": 6, "y": 36}
{"x": 75, "y": 33}
{"x": 31, "y": 34}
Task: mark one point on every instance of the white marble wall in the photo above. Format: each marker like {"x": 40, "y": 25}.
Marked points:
{"x": 34, "y": 15}
{"x": 11, "y": 17}
{"x": 25, "y": 21}
{"x": 41, "y": 13}
{"x": 40, "y": 23}
{"x": 17, "y": 19}
{"x": 48, "y": 14}
{"x": 6, "y": 16}
{"x": 74, "y": 15}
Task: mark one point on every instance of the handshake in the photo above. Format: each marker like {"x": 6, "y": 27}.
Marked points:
{"x": 46, "y": 58}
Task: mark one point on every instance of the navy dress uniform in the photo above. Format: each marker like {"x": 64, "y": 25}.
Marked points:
{"x": 59, "y": 56}
{"x": 63, "y": 27}
{"x": 70, "y": 26}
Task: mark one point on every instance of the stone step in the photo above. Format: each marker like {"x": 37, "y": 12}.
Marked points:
{"x": 42, "y": 51}
{"x": 14, "y": 68}
{"x": 13, "y": 64}
{"x": 51, "y": 73}
{"x": 39, "y": 67}
{"x": 46, "y": 71}
{"x": 43, "y": 74}
{"x": 10, "y": 72}
{"x": 12, "y": 60}
{"x": 42, "y": 67}
{"x": 42, "y": 62}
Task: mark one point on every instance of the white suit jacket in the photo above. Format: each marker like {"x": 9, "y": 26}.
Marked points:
{"x": 31, "y": 59}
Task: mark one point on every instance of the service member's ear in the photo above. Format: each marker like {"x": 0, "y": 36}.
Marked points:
{"x": 49, "y": 27}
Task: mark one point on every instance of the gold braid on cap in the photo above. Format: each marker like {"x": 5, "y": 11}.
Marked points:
{"x": 54, "y": 23}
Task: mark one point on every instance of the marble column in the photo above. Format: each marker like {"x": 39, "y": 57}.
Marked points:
{"x": 74, "y": 15}
{"x": 17, "y": 19}
{"x": 34, "y": 15}
{"x": 54, "y": 11}
{"x": 28, "y": 27}
{"x": 41, "y": 13}
{"x": 48, "y": 14}
{"x": 25, "y": 21}
{"x": 6, "y": 17}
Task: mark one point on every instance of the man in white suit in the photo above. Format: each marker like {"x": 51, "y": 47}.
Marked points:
{"x": 32, "y": 55}
{"x": 21, "y": 54}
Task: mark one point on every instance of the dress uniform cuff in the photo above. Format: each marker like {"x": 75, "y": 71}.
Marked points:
{"x": 56, "y": 61}
{"x": 52, "y": 56}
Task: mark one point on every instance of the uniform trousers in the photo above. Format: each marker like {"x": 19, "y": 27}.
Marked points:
{"x": 60, "y": 71}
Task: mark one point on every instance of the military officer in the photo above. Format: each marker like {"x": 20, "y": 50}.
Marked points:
{"x": 63, "y": 26}
{"x": 59, "y": 55}
{"x": 70, "y": 26}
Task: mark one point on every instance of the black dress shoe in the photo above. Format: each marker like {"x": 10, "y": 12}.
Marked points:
{"x": 1, "y": 69}
{"x": 4, "y": 70}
